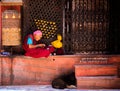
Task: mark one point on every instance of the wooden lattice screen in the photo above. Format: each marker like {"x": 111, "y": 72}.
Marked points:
{"x": 84, "y": 24}
{"x": 45, "y": 15}
{"x": 87, "y": 26}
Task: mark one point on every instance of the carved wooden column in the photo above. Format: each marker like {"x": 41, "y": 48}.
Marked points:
{"x": 0, "y": 27}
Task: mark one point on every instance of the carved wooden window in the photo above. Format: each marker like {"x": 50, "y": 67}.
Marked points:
{"x": 86, "y": 26}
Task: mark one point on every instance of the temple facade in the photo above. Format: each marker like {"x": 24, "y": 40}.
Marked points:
{"x": 90, "y": 37}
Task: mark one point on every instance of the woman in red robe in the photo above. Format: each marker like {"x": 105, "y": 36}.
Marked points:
{"x": 36, "y": 50}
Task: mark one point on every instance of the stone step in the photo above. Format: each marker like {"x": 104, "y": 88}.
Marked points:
{"x": 96, "y": 70}
{"x": 98, "y": 82}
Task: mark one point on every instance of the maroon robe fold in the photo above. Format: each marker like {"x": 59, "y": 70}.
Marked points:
{"x": 36, "y": 52}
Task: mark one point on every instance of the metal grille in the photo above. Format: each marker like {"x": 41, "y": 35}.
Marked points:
{"x": 45, "y": 15}
{"x": 83, "y": 23}
{"x": 90, "y": 25}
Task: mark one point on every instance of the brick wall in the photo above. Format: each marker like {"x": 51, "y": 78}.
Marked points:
{"x": 21, "y": 70}
{"x": 0, "y": 72}
{"x": 5, "y": 70}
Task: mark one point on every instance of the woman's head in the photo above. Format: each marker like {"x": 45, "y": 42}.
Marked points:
{"x": 37, "y": 35}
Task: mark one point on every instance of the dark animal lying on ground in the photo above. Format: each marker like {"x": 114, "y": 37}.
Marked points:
{"x": 65, "y": 81}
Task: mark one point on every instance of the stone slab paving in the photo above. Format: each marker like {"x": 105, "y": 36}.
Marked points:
{"x": 45, "y": 88}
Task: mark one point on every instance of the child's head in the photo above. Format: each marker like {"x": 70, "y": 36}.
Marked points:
{"x": 37, "y": 35}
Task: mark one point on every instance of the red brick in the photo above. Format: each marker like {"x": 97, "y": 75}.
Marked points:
{"x": 95, "y": 70}
{"x": 6, "y": 59}
{"x": 20, "y": 74}
{"x": 45, "y": 76}
{"x": 36, "y": 63}
{"x": 19, "y": 82}
{"x": 114, "y": 60}
{"x": 38, "y": 82}
{"x": 0, "y": 72}
{"x": 5, "y": 70}
{"x": 98, "y": 83}
{"x": 6, "y": 81}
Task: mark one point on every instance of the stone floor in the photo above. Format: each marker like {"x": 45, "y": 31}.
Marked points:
{"x": 44, "y": 88}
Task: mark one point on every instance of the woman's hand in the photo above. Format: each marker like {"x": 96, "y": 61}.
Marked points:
{"x": 41, "y": 45}
{"x": 38, "y": 45}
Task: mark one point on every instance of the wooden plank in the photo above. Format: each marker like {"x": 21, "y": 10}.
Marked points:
{"x": 98, "y": 82}
{"x": 11, "y": 3}
{"x": 95, "y": 70}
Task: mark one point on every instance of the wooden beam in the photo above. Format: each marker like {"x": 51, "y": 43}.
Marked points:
{"x": 11, "y": 3}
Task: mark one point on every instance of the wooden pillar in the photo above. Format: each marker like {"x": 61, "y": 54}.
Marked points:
{"x": 0, "y": 27}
